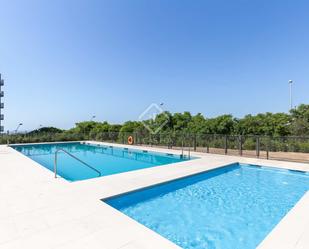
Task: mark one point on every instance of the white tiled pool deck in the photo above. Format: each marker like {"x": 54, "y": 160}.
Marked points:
{"x": 39, "y": 211}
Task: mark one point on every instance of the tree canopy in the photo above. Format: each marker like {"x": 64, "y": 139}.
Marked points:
{"x": 296, "y": 122}
{"x": 45, "y": 130}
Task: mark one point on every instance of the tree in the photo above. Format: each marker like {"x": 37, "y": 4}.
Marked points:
{"x": 223, "y": 124}
{"x": 197, "y": 124}
{"x": 300, "y": 120}
{"x": 45, "y": 130}
{"x": 130, "y": 126}
{"x": 270, "y": 124}
{"x": 180, "y": 121}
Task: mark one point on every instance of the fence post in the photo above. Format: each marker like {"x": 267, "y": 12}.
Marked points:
{"x": 194, "y": 141}
{"x": 8, "y": 138}
{"x": 170, "y": 141}
{"x": 182, "y": 147}
{"x": 257, "y": 147}
{"x": 206, "y": 143}
{"x": 267, "y": 148}
{"x": 225, "y": 144}
{"x": 135, "y": 138}
{"x": 240, "y": 145}
{"x": 114, "y": 137}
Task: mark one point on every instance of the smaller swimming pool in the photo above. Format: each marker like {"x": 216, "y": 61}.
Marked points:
{"x": 233, "y": 207}
{"x": 107, "y": 160}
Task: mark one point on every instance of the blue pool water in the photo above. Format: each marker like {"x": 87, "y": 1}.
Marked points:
{"x": 106, "y": 159}
{"x": 233, "y": 207}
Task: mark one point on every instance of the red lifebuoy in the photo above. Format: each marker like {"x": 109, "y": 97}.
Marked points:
{"x": 130, "y": 140}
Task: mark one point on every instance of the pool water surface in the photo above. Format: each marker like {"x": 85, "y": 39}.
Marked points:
{"x": 107, "y": 160}
{"x": 233, "y": 207}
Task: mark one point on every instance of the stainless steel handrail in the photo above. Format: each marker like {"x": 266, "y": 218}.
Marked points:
{"x": 68, "y": 153}
{"x": 182, "y": 150}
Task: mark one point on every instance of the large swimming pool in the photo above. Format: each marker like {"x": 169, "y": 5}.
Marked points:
{"x": 106, "y": 160}
{"x": 233, "y": 207}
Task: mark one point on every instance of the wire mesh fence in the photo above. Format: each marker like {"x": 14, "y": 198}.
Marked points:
{"x": 289, "y": 148}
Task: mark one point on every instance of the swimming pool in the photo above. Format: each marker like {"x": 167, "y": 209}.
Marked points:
{"x": 233, "y": 207}
{"x": 107, "y": 160}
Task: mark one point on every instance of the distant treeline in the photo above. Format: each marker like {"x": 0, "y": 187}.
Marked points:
{"x": 294, "y": 123}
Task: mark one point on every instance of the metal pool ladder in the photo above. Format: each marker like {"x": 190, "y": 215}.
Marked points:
{"x": 68, "y": 153}
{"x": 182, "y": 151}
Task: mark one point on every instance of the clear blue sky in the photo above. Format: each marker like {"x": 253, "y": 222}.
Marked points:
{"x": 64, "y": 60}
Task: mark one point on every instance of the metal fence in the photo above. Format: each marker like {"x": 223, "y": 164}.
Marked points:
{"x": 290, "y": 148}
